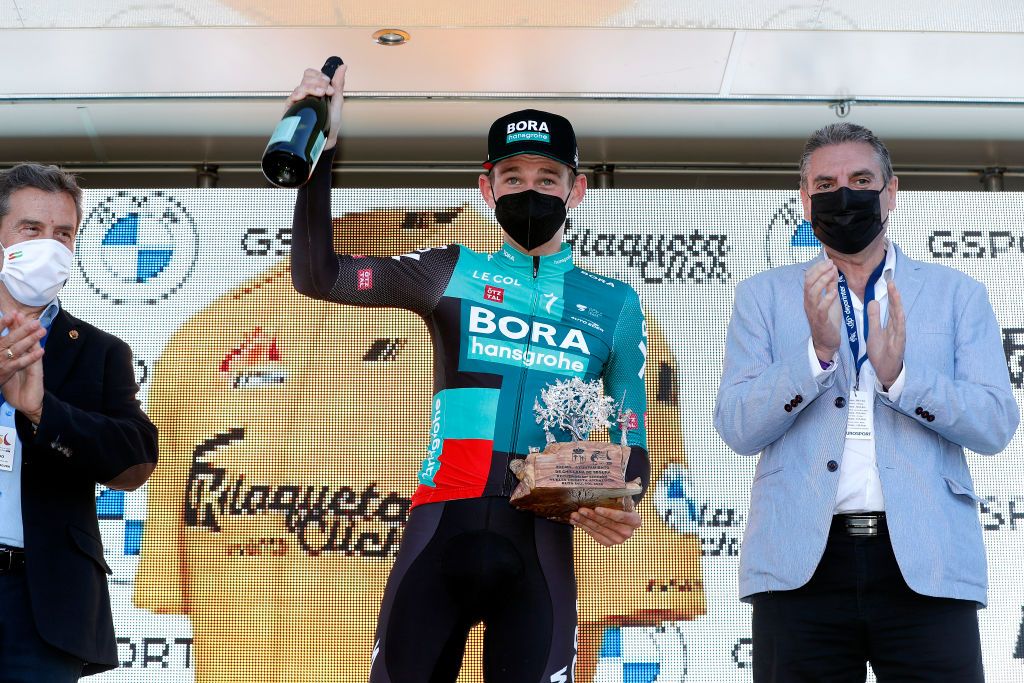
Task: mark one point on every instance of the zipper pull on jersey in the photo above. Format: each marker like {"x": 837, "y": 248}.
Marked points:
{"x": 536, "y": 265}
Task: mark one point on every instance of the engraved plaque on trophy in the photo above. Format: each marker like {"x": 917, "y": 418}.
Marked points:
{"x": 568, "y": 475}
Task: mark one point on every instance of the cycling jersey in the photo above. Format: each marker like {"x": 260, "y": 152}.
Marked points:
{"x": 504, "y": 326}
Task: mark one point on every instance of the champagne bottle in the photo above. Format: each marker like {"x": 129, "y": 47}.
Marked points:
{"x": 299, "y": 138}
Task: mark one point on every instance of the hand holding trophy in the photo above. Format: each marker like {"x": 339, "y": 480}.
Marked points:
{"x": 579, "y": 473}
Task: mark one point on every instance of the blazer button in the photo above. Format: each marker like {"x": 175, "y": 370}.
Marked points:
{"x": 840, "y": 402}
{"x": 799, "y": 399}
{"x": 924, "y": 414}
{"x": 832, "y": 466}
{"x": 788, "y": 408}
{"x": 931, "y": 418}
{"x": 919, "y": 410}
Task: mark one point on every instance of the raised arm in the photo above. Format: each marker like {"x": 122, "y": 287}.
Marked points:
{"x": 413, "y": 281}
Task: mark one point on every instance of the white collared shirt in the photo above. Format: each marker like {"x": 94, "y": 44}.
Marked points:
{"x": 860, "y": 488}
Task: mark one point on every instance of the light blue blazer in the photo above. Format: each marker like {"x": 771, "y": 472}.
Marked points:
{"x": 955, "y": 371}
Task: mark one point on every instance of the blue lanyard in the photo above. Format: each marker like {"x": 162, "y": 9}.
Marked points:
{"x": 848, "y": 316}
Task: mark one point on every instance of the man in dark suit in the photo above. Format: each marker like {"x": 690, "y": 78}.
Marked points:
{"x": 68, "y": 419}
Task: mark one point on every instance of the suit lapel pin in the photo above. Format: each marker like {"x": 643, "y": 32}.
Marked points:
{"x": 73, "y": 334}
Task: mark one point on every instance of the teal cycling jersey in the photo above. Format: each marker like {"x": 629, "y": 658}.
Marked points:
{"x": 504, "y": 326}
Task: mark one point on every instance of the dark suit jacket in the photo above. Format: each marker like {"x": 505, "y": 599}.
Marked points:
{"x": 92, "y": 430}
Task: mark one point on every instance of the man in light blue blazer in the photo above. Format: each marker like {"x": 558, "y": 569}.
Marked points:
{"x": 860, "y": 377}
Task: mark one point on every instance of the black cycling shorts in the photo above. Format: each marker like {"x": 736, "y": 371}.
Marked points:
{"x": 463, "y": 562}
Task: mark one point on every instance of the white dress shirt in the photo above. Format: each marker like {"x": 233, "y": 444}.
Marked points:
{"x": 860, "y": 488}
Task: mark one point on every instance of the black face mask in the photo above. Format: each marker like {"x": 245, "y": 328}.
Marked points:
{"x": 847, "y": 220}
{"x": 530, "y": 218}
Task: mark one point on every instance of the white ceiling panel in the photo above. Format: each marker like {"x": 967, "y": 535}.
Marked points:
{"x": 459, "y": 61}
{"x": 881, "y": 65}
{"x": 830, "y": 15}
{"x": 478, "y": 63}
{"x": 454, "y": 131}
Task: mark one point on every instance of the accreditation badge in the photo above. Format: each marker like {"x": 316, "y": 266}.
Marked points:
{"x": 860, "y": 420}
{"x": 8, "y": 437}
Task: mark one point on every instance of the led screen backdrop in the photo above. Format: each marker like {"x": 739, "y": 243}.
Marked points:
{"x": 291, "y": 430}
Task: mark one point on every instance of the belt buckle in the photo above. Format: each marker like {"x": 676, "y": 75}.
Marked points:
{"x": 861, "y": 525}
{"x": 6, "y": 561}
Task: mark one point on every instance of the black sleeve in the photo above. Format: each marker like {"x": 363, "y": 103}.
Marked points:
{"x": 639, "y": 465}
{"x": 413, "y": 281}
{"x": 113, "y": 443}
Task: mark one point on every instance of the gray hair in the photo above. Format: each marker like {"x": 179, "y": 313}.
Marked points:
{"x": 838, "y": 134}
{"x": 39, "y": 177}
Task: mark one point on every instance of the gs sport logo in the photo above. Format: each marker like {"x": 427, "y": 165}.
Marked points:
{"x": 137, "y": 248}
{"x": 790, "y": 239}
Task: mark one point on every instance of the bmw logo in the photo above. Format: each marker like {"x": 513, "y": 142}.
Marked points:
{"x": 137, "y": 248}
{"x": 790, "y": 238}
{"x": 674, "y": 500}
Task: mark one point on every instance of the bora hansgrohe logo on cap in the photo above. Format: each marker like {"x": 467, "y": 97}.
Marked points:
{"x": 521, "y": 131}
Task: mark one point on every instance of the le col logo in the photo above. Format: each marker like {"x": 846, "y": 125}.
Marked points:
{"x": 496, "y": 278}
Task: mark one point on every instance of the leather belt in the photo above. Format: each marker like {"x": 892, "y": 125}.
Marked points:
{"x": 860, "y": 524}
{"x": 11, "y": 559}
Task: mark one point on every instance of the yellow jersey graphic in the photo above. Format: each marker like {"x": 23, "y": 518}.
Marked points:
{"x": 291, "y": 431}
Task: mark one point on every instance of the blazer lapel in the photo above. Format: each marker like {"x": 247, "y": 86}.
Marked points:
{"x": 908, "y": 279}
{"x": 62, "y": 347}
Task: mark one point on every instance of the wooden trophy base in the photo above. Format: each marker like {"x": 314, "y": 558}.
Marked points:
{"x": 569, "y": 475}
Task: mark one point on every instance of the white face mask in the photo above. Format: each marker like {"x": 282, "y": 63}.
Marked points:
{"x": 34, "y": 271}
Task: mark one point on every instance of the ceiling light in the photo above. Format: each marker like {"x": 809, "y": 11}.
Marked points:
{"x": 391, "y": 36}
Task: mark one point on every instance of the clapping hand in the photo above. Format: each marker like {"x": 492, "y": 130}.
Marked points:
{"x": 21, "y": 365}
{"x": 821, "y": 305}
{"x": 886, "y": 345}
